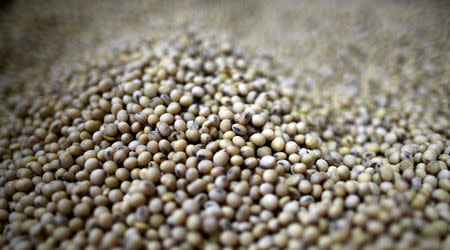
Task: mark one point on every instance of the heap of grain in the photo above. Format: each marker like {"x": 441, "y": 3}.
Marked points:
{"x": 189, "y": 143}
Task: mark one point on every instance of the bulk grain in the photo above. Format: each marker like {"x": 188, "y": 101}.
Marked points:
{"x": 188, "y": 143}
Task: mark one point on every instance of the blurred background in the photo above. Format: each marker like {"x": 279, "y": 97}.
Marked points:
{"x": 331, "y": 38}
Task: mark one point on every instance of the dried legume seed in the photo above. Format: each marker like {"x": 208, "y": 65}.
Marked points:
{"x": 163, "y": 144}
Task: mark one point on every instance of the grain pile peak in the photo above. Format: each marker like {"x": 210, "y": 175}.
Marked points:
{"x": 190, "y": 143}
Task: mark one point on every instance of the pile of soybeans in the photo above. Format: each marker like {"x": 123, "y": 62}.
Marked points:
{"x": 189, "y": 143}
